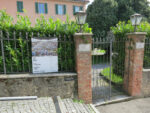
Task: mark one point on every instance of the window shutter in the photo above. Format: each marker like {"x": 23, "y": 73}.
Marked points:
{"x": 46, "y": 9}
{"x": 56, "y": 8}
{"x": 18, "y": 9}
{"x": 64, "y": 9}
{"x": 36, "y": 7}
{"x": 74, "y": 9}
{"x": 19, "y": 6}
{"x": 81, "y": 8}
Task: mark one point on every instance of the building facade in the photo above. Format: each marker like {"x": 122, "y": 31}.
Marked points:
{"x": 49, "y": 8}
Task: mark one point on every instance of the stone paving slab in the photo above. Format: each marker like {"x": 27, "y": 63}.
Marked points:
{"x": 45, "y": 105}
{"x": 41, "y": 105}
{"x": 76, "y": 107}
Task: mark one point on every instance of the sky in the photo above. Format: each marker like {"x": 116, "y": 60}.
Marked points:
{"x": 90, "y": 2}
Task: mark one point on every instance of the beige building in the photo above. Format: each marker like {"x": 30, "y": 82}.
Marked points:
{"x": 49, "y": 8}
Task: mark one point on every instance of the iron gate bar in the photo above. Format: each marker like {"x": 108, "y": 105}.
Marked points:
{"x": 108, "y": 89}
{"x": 3, "y": 54}
{"x": 28, "y": 51}
{"x": 9, "y": 54}
{"x": 147, "y": 53}
{"x": 110, "y": 65}
{"x": 98, "y": 80}
{"x": 14, "y": 34}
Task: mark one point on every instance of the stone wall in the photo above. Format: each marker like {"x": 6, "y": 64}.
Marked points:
{"x": 146, "y": 83}
{"x": 44, "y": 85}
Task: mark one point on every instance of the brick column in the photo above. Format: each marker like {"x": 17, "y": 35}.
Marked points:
{"x": 83, "y": 42}
{"x": 134, "y": 63}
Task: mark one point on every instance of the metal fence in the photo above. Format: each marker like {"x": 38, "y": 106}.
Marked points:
{"x": 16, "y": 55}
{"x": 147, "y": 53}
{"x": 108, "y": 56}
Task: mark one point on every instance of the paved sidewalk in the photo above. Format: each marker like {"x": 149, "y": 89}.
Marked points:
{"x": 133, "y": 106}
{"x": 41, "y": 105}
{"x": 46, "y": 105}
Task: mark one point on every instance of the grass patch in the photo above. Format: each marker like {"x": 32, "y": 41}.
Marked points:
{"x": 114, "y": 78}
{"x": 78, "y": 101}
{"x": 101, "y": 51}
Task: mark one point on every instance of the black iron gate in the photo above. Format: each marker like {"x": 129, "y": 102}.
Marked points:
{"x": 107, "y": 67}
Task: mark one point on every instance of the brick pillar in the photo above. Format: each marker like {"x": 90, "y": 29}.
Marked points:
{"x": 83, "y": 42}
{"x": 134, "y": 63}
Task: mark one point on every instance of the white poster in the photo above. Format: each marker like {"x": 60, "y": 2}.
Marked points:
{"x": 44, "y": 55}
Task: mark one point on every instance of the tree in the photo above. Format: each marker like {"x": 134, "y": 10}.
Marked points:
{"x": 125, "y": 10}
{"x": 128, "y": 7}
{"x": 101, "y": 14}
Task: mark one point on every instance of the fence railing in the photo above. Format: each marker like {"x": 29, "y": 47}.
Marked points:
{"x": 16, "y": 55}
{"x": 147, "y": 53}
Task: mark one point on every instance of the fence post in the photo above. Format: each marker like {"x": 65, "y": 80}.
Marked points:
{"x": 83, "y": 43}
{"x": 134, "y": 54}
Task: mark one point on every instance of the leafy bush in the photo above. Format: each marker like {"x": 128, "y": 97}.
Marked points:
{"x": 120, "y": 31}
{"x": 18, "y": 52}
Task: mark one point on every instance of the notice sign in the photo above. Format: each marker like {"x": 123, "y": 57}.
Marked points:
{"x": 44, "y": 55}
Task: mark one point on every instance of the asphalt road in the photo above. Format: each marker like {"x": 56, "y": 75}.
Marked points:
{"x": 133, "y": 106}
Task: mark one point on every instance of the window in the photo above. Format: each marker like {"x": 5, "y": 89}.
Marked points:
{"x": 77, "y": 8}
{"x": 41, "y": 8}
{"x": 19, "y": 6}
{"x": 60, "y": 9}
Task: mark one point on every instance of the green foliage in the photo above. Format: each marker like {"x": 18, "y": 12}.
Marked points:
{"x": 122, "y": 28}
{"x": 78, "y": 101}
{"x": 102, "y": 14}
{"x": 101, "y": 51}
{"x": 120, "y": 31}
{"x": 6, "y": 21}
{"x": 18, "y": 52}
{"x": 114, "y": 78}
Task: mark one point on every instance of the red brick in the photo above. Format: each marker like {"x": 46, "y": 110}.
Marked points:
{"x": 133, "y": 78}
{"x": 83, "y": 68}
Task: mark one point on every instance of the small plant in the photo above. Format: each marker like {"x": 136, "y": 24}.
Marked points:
{"x": 78, "y": 101}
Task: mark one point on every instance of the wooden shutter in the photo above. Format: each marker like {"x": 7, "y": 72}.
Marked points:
{"x": 81, "y": 8}
{"x": 56, "y": 9}
{"x": 64, "y": 9}
{"x": 46, "y": 9}
{"x": 36, "y": 7}
{"x": 19, "y": 6}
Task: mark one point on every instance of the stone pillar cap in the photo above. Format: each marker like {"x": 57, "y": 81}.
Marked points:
{"x": 137, "y": 33}
{"x": 80, "y": 34}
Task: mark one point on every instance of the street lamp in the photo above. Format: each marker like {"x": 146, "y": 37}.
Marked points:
{"x": 136, "y": 20}
{"x": 80, "y": 18}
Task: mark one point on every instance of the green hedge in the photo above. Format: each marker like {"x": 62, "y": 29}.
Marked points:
{"x": 43, "y": 28}
{"x": 120, "y": 31}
